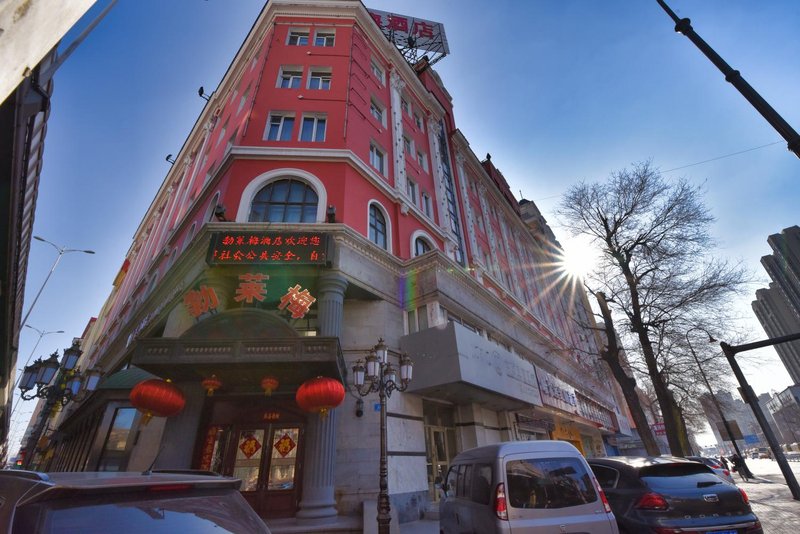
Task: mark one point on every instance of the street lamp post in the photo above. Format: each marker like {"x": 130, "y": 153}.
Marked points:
{"x": 380, "y": 376}
{"x": 61, "y": 252}
{"x": 41, "y": 335}
{"x": 713, "y": 397}
{"x": 56, "y": 382}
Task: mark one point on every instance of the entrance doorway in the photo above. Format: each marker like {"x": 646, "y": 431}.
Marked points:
{"x": 440, "y": 444}
{"x": 265, "y": 458}
{"x": 260, "y": 443}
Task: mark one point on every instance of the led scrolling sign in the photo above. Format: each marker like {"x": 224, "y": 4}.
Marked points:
{"x": 261, "y": 248}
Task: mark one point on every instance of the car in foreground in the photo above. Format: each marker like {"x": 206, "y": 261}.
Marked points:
{"x": 715, "y": 465}
{"x": 123, "y": 503}
{"x": 667, "y": 495}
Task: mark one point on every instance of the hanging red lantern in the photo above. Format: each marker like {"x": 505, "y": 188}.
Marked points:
{"x": 319, "y": 395}
{"x": 211, "y": 384}
{"x": 157, "y": 397}
{"x": 269, "y": 384}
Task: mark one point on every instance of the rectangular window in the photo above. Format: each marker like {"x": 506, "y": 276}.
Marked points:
{"x": 423, "y": 161}
{"x": 280, "y": 127}
{"x": 405, "y": 106}
{"x": 290, "y": 77}
{"x": 411, "y": 189}
{"x": 298, "y": 38}
{"x": 548, "y": 483}
{"x": 418, "y": 122}
{"x": 319, "y": 78}
{"x": 377, "y": 111}
{"x": 114, "y": 454}
{"x": 324, "y": 38}
{"x": 222, "y": 132}
{"x": 408, "y": 145}
{"x": 313, "y": 128}
{"x": 426, "y": 204}
{"x": 231, "y": 139}
{"x": 377, "y": 71}
{"x": 243, "y": 100}
{"x": 377, "y": 158}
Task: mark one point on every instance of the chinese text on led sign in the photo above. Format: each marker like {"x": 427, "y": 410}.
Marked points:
{"x": 238, "y": 248}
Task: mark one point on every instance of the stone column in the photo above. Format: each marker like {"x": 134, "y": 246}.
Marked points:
{"x": 318, "y": 504}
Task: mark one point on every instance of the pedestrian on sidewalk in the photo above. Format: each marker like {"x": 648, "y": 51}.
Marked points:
{"x": 740, "y": 467}
{"x": 724, "y": 462}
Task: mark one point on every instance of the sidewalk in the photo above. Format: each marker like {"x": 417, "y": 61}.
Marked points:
{"x": 772, "y": 502}
{"x": 423, "y": 526}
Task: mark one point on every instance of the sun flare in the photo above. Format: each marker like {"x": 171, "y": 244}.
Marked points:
{"x": 579, "y": 258}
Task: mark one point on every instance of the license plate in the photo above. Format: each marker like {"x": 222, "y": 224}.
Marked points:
{"x": 721, "y": 532}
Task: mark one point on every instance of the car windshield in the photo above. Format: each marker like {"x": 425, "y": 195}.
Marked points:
{"x": 216, "y": 511}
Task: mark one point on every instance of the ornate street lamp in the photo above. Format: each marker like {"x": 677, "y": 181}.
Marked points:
{"x": 380, "y": 376}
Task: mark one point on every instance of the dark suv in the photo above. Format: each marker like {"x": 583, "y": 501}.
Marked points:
{"x": 122, "y": 503}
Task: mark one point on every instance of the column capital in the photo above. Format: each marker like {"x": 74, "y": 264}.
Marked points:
{"x": 332, "y": 282}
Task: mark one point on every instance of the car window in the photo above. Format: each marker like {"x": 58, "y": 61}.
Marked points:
{"x": 482, "y": 484}
{"x": 548, "y": 483}
{"x": 452, "y": 480}
{"x": 465, "y": 482}
{"x": 606, "y": 476}
{"x": 676, "y": 476}
{"x": 217, "y": 511}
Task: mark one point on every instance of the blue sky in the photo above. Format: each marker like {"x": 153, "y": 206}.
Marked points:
{"x": 557, "y": 91}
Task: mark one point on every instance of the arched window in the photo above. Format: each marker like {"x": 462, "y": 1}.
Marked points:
{"x": 287, "y": 200}
{"x": 421, "y": 246}
{"x": 377, "y": 226}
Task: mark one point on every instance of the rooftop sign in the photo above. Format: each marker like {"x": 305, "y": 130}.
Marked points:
{"x": 412, "y": 35}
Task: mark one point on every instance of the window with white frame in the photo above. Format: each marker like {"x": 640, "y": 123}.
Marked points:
{"x": 286, "y": 200}
{"x": 222, "y": 132}
{"x": 408, "y": 145}
{"x": 297, "y": 38}
{"x": 411, "y": 189}
{"x": 422, "y": 159}
{"x": 481, "y": 226}
{"x": 279, "y": 127}
{"x": 210, "y": 173}
{"x": 231, "y": 139}
{"x": 421, "y": 246}
{"x": 324, "y": 37}
{"x": 377, "y": 226}
{"x": 290, "y": 77}
{"x": 319, "y": 78}
{"x": 405, "y": 106}
{"x": 377, "y": 158}
{"x": 313, "y": 128}
{"x": 377, "y": 110}
{"x": 417, "y": 319}
{"x": 378, "y": 71}
{"x": 427, "y": 206}
{"x": 243, "y": 100}
{"x": 418, "y": 122}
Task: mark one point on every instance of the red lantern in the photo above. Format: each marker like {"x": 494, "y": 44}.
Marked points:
{"x": 211, "y": 384}
{"x": 157, "y": 397}
{"x": 269, "y": 384}
{"x": 320, "y": 394}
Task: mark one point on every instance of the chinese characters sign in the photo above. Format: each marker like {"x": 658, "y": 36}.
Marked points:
{"x": 252, "y": 287}
{"x": 556, "y": 392}
{"x": 239, "y": 248}
{"x": 200, "y": 301}
{"x": 411, "y": 32}
{"x": 298, "y": 302}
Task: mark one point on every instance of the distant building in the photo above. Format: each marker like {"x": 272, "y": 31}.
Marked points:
{"x": 778, "y": 308}
{"x": 785, "y": 409}
{"x": 739, "y": 414}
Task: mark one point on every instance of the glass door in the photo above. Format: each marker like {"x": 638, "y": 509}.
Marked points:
{"x": 265, "y": 458}
{"x": 440, "y": 448}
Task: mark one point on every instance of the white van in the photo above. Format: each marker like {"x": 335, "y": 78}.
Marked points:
{"x": 524, "y": 487}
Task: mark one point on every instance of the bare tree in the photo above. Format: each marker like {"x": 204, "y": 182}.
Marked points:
{"x": 656, "y": 267}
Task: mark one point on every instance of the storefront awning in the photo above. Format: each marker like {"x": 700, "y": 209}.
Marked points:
{"x": 455, "y": 364}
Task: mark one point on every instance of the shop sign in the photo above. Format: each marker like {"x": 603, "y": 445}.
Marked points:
{"x": 262, "y": 248}
{"x": 200, "y": 301}
{"x": 251, "y": 287}
{"x": 271, "y": 416}
{"x": 659, "y": 429}
{"x": 557, "y": 393}
{"x": 405, "y": 31}
{"x": 297, "y": 302}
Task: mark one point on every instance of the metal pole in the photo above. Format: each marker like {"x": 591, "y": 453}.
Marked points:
{"x": 751, "y": 399}
{"x": 715, "y": 401}
{"x": 384, "y": 509}
{"x": 735, "y": 78}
